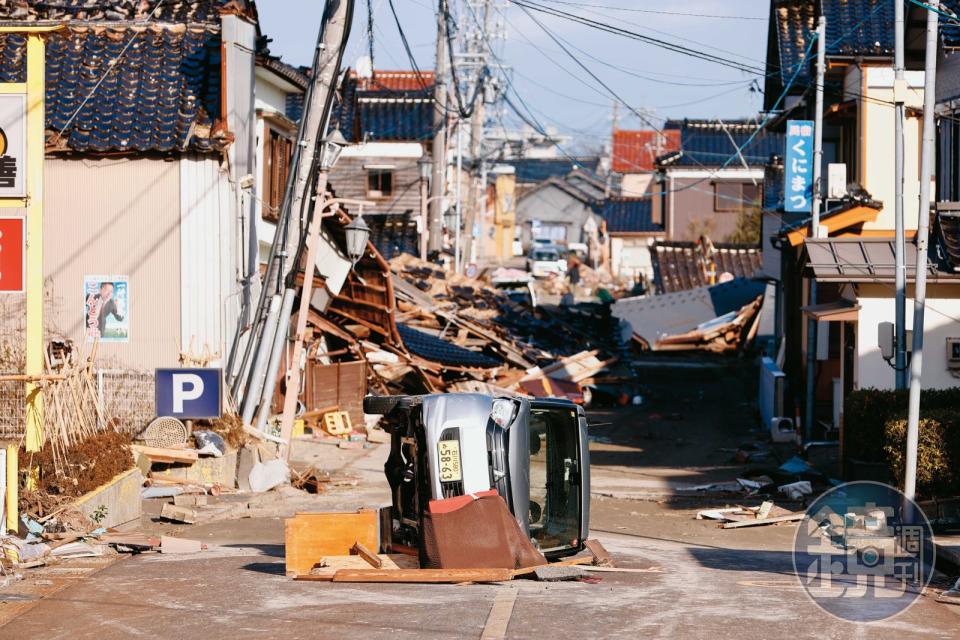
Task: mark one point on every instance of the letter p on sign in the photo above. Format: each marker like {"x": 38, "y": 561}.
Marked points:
{"x": 186, "y": 386}
{"x": 188, "y": 393}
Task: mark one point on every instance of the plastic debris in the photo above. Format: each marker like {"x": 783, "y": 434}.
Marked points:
{"x": 267, "y": 475}
{"x": 209, "y": 443}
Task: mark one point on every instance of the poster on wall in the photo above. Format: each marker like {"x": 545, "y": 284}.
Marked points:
{"x": 13, "y": 145}
{"x": 106, "y": 308}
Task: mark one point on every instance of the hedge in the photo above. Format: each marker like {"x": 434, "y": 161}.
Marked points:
{"x": 875, "y": 431}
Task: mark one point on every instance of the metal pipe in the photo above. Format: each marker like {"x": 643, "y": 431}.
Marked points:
{"x": 920, "y": 287}
{"x": 260, "y": 363}
{"x": 276, "y": 352}
{"x": 899, "y": 91}
{"x": 815, "y": 227}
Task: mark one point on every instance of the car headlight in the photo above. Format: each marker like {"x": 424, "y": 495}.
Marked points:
{"x": 503, "y": 411}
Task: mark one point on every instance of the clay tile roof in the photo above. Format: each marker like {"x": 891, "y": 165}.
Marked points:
{"x": 637, "y": 151}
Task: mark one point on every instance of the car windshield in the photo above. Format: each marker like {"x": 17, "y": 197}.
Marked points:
{"x": 554, "y": 478}
{"x": 543, "y": 255}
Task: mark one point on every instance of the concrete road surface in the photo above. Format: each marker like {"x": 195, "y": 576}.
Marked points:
{"x": 702, "y": 582}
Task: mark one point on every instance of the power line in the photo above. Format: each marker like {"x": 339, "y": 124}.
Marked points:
{"x": 602, "y": 26}
{"x": 665, "y": 13}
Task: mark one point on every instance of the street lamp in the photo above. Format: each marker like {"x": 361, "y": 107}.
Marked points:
{"x": 425, "y": 164}
{"x": 333, "y": 144}
{"x": 357, "y": 233}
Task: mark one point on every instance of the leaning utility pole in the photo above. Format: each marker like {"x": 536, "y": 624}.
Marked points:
{"x": 297, "y": 202}
{"x": 815, "y": 223}
{"x": 899, "y": 93}
{"x": 437, "y": 185}
{"x": 920, "y": 286}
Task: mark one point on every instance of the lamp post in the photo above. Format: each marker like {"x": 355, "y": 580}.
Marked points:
{"x": 358, "y": 233}
{"x": 425, "y": 164}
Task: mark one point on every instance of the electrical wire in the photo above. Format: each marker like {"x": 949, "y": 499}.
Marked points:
{"x": 653, "y": 11}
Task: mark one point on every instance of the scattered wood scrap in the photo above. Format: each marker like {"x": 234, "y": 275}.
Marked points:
{"x": 421, "y": 575}
{"x": 601, "y": 557}
{"x": 331, "y": 564}
{"x": 793, "y": 517}
{"x": 737, "y": 517}
{"x": 164, "y": 454}
{"x": 369, "y": 556}
{"x": 310, "y": 537}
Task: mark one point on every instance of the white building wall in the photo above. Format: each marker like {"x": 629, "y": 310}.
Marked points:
{"x": 878, "y": 162}
{"x": 940, "y": 322}
{"x": 204, "y": 243}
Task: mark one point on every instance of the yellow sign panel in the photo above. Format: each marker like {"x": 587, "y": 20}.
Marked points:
{"x": 506, "y": 205}
{"x": 449, "y": 456}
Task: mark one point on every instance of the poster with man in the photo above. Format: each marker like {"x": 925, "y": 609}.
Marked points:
{"x": 106, "y": 308}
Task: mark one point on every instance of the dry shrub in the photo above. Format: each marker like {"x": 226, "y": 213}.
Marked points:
{"x": 89, "y": 464}
{"x": 230, "y": 428}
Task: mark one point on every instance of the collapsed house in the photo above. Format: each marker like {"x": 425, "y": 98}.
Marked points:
{"x": 719, "y": 318}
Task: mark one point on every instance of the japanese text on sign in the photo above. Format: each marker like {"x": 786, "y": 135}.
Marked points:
{"x": 13, "y": 150}
{"x": 798, "y": 170}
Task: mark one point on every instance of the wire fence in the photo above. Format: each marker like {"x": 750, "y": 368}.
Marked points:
{"x": 126, "y": 396}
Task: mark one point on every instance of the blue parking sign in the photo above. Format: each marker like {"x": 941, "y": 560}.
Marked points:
{"x": 798, "y": 167}
{"x": 188, "y": 393}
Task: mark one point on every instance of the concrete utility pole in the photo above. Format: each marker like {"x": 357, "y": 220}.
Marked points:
{"x": 899, "y": 93}
{"x": 334, "y": 31}
{"x": 478, "y": 44}
{"x": 437, "y": 184}
{"x": 815, "y": 224}
{"x": 920, "y": 286}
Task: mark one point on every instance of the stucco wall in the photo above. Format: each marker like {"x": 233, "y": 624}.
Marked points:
{"x": 940, "y": 322}
{"x": 691, "y": 202}
{"x": 115, "y": 217}
{"x": 877, "y": 123}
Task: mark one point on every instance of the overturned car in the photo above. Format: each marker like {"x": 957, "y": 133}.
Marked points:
{"x": 532, "y": 452}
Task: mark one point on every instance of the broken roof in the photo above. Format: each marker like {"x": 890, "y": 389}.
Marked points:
{"x": 671, "y": 314}
{"x": 679, "y": 266}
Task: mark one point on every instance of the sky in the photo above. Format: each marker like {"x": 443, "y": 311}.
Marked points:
{"x": 559, "y": 93}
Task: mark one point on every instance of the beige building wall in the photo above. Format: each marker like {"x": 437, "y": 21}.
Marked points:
{"x": 634, "y": 185}
{"x": 877, "y": 305}
{"x": 877, "y": 147}
{"x": 115, "y": 217}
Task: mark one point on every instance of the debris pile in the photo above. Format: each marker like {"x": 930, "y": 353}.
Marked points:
{"x": 342, "y": 547}
{"x": 484, "y": 340}
{"x": 719, "y": 318}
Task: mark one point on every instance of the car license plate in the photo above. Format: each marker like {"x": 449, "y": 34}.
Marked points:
{"x": 450, "y": 470}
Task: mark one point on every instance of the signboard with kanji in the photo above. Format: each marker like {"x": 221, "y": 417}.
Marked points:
{"x": 13, "y": 145}
{"x": 798, "y": 167}
{"x": 12, "y": 250}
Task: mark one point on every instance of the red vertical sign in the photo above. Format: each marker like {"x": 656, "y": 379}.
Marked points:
{"x": 12, "y": 248}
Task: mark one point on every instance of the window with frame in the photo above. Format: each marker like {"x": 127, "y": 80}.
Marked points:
{"x": 277, "y": 153}
{"x": 379, "y": 183}
{"x": 736, "y": 196}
